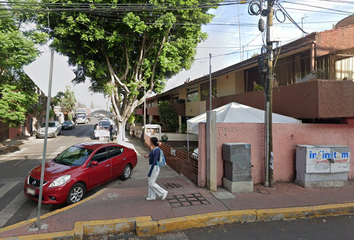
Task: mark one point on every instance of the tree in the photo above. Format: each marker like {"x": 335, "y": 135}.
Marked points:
{"x": 17, "y": 95}
{"x": 17, "y": 49}
{"x": 123, "y": 51}
{"x": 38, "y": 110}
{"x": 66, "y": 100}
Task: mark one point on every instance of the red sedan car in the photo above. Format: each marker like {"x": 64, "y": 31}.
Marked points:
{"x": 78, "y": 169}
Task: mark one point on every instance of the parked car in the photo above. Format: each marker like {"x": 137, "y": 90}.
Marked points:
{"x": 54, "y": 129}
{"x": 79, "y": 169}
{"x": 68, "y": 125}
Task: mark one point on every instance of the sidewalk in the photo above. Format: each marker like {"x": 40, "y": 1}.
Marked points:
{"x": 12, "y": 144}
{"x": 123, "y": 207}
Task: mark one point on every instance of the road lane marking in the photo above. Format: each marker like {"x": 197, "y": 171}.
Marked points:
{"x": 59, "y": 150}
{"x": 11, "y": 208}
{"x": 7, "y": 187}
{"x": 26, "y": 158}
{"x": 54, "y": 154}
{"x": 57, "y": 140}
{"x": 44, "y": 210}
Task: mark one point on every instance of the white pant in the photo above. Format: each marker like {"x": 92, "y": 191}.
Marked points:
{"x": 154, "y": 188}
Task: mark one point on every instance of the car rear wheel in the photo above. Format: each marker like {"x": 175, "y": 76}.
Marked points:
{"x": 126, "y": 172}
{"x": 76, "y": 193}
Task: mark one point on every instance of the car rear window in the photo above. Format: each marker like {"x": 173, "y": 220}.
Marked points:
{"x": 73, "y": 156}
{"x": 105, "y": 124}
{"x": 67, "y": 122}
{"x": 50, "y": 124}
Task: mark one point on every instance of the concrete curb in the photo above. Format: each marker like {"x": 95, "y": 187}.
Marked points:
{"x": 145, "y": 226}
{"x": 21, "y": 224}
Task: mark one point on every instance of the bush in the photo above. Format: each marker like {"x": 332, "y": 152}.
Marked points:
{"x": 183, "y": 128}
{"x": 168, "y": 116}
{"x": 139, "y": 119}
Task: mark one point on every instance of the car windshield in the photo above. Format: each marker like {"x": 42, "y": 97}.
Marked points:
{"x": 73, "y": 156}
{"x": 67, "y": 122}
{"x": 50, "y": 124}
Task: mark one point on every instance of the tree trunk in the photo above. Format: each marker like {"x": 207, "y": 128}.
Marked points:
{"x": 34, "y": 124}
{"x": 121, "y": 132}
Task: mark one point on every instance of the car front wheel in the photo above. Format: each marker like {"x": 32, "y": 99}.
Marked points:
{"x": 126, "y": 172}
{"x": 76, "y": 193}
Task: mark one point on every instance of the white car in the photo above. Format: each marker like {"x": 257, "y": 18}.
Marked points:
{"x": 54, "y": 129}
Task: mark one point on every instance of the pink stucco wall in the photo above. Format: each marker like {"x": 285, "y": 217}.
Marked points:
{"x": 15, "y": 132}
{"x": 285, "y": 139}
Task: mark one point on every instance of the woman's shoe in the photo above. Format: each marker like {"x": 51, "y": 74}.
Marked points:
{"x": 150, "y": 199}
{"x": 164, "y": 195}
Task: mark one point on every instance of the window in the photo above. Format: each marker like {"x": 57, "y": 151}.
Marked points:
{"x": 192, "y": 94}
{"x": 205, "y": 90}
{"x": 175, "y": 98}
{"x": 115, "y": 151}
{"x": 100, "y": 155}
{"x": 73, "y": 156}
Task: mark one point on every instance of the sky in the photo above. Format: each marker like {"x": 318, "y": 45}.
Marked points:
{"x": 225, "y": 40}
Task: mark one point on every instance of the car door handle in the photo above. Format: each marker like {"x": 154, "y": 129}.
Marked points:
{"x": 107, "y": 165}
{"x": 124, "y": 159}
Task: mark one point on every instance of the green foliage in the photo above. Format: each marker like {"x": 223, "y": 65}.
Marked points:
{"x": 183, "y": 128}
{"x": 206, "y": 92}
{"x": 181, "y": 100}
{"x": 257, "y": 87}
{"x": 65, "y": 99}
{"x": 136, "y": 50}
{"x": 139, "y": 119}
{"x": 17, "y": 46}
{"x": 168, "y": 115}
{"x": 13, "y": 104}
{"x": 131, "y": 119}
{"x": 18, "y": 94}
{"x": 68, "y": 100}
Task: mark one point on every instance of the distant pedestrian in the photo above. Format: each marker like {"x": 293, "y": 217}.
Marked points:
{"x": 111, "y": 133}
{"x": 131, "y": 130}
{"x": 154, "y": 156}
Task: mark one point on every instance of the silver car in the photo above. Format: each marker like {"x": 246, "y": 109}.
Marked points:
{"x": 54, "y": 129}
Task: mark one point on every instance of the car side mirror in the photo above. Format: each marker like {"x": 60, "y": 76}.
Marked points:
{"x": 94, "y": 163}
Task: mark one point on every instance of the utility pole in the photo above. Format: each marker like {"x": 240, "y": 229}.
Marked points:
{"x": 269, "y": 98}
{"x": 210, "y": 85}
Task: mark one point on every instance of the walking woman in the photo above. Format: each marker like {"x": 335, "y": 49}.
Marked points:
{"x": 154, "y": 188}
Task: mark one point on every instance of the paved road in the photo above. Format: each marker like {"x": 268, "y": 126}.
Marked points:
{"x": 330, "y": 228}
{"x": 16, "y": 164}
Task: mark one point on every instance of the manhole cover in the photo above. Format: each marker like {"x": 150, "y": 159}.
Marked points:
{"x": 173, "y": 185}
{"x": 186, "y": 200}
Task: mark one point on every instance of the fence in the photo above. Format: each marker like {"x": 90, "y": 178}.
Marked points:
{"x": 179, "y": 160}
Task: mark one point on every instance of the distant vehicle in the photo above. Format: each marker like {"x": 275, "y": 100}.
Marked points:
{"x": 104, "y": 125}
{"x": 54, "y": 129}
{"x": 79, "y": 169}
{"x": 68, "y": 125}
{"x": 81, "y": 115}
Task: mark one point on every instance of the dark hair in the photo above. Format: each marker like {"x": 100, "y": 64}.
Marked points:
{"x": 154, "y": 141}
